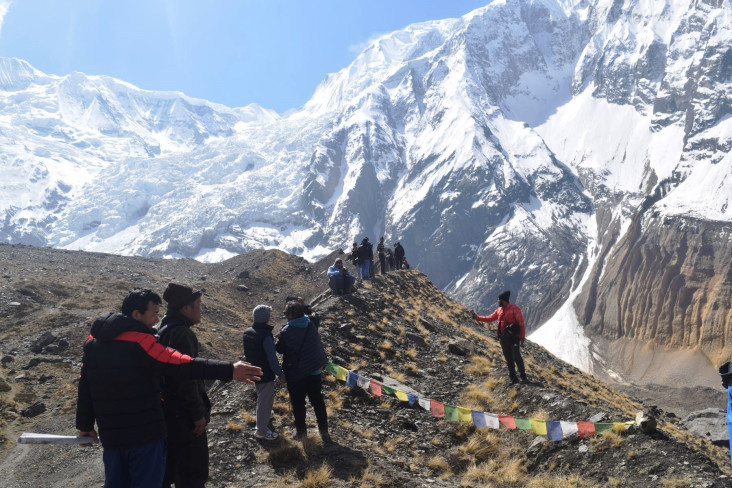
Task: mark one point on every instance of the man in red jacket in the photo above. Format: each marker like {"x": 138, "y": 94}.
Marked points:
{"x": 510, "y": 332}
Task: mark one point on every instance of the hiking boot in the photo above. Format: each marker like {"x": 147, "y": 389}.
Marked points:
{"x": 325, "y": 437}
{"x": 524, "y": 379}
{"x": 514, "y": 381}
{"x": 301, "y": 435}
{"x": 269, "y": 436}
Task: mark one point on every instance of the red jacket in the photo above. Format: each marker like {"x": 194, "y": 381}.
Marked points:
{"x": 506, "y": 315}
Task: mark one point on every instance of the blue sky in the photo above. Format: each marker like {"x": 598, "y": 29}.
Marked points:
{"x": 234, "y": 52}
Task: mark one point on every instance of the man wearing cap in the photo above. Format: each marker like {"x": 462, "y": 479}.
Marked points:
{"x": 185, "y": 402}
{"x": 119, "y": 389}
{"x": 259, "y": 350}
{"x": 510, "y": 332}
{"x": 339, "y": 279}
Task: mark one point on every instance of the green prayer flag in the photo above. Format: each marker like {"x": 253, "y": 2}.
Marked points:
{"x": 601, "y": 427}
{"x": 332, "y": 368}
{"x": 387, "y": 390}
{"x": 523, "y": 424}
{"x": 451, "y": 412}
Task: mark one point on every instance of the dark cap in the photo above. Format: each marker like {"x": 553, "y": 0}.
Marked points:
{"x": 178, "y": 296}
{"x": 504, "y": 296}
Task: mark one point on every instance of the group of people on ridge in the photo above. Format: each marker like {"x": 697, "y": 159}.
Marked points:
{"x": 341, "y": 281}
{"x": 144, "y": 388}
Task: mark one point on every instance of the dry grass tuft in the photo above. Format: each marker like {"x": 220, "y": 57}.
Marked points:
{"x": 372, "y": 477}
{"x": 317, "y": 478}
{"x": 233, "y": 426}
{"x": 412, "y": 353}
{"x": 480, "y": 365}
{"x": 438, "y": 464}
{"x": 386, "y": 345}
{"x": 248, "y": 417}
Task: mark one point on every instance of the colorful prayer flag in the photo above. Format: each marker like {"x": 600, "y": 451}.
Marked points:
{"x": 507, "y": 421}
{"x": 523, "y": 424}
{"x": 375, "y": 388}
{"x": 451, "y": 412}
{"x": 425, "y": 403}
{"x": 491, "y": 421}
{"x": 387, "y": 390}
{"x": 401, "y": 395}
{"x": 342, "y": 373}
{"x": 601, "y": 427}
{"x": 351, "y": 379}
{"x": 568, "y": 428}
{"x": 478, "y": 419}
{"x": 464, "y": 415}
{"x": 620, "y": 425}
{"x": 437, "y": 408}
{"x": 538, "y": 427}
{"x": 412, "y": 398}
{"x": 363, "y": 382}
{"x": 585, "y": 429}
{"x": 332, "y": 368}
{"x": 553, "y": 430}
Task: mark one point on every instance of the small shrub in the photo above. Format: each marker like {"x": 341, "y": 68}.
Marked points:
{"x": 317, "y": 478}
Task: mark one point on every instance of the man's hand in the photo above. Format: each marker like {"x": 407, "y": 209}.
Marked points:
{"x": 199, "y": 426}
{"x": 91, "y": 433}
{"x": 246, "y": 373}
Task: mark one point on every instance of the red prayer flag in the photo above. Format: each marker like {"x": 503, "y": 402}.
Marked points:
{"x": 585, "y": 429}
{"x": 438, "y": 409}
{"x": 375, "y": 388}
{"x": 507, "y": 421}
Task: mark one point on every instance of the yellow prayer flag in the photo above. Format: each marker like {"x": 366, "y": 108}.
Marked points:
{"x": 342, "y": 373}
{"x": 401, "y": 395}
{"x": 538, "y": 427}
{"x": 465, "y": 415}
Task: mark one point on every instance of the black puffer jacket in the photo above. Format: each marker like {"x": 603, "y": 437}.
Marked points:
{"x": 185, "y": 398}
{"x": 119, "y": 386}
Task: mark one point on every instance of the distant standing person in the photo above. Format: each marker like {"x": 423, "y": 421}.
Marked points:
{"x": 510, "y": 332}
{"x": 390, "y": 259}
{"x": 303, "y": 356}
{"x": 119, "y": 389}
{"x": 185, "y": 402}
{"x": 398, "y": 254}
{"x": 259, "y": 350}
{"x": 725, "y": 371}
{"x": 354, "y": 260}
{"x": 381, "y": 250}
{"x": 365, "y": 255}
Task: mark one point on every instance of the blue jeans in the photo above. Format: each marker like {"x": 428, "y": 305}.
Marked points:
{"x": 135, "y": 467}
{"x": 365, "y": 270}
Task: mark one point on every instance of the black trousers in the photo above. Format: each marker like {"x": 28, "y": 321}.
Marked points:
{"x": 187, "y": 463}
{"x": 512, "y": 353}
{"x": 382, "y": 262}
{"x": 310, "y": 386}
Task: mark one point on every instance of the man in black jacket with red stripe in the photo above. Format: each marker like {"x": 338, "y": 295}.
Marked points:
{"x": 119, "y": 389}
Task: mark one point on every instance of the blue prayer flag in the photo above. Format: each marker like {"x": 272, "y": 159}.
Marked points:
{"x": 412, "y": 398}
{"x": 351, "y": 379}
{"x": 478, "y": 419}
{"x": 553, "y": 430}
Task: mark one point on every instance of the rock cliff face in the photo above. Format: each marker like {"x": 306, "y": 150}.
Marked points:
{"x": 668, "y": 282}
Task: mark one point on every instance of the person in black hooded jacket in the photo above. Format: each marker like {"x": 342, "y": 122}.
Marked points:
{"x": 119, "y": 389}
{"x": 185, "y": 401}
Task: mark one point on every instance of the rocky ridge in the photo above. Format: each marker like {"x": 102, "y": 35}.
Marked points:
{"x": 398, "y": 329}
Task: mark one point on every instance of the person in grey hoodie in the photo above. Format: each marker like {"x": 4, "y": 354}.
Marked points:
{"x": 303, "y": 356}
{"x": 259, "y": 350}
